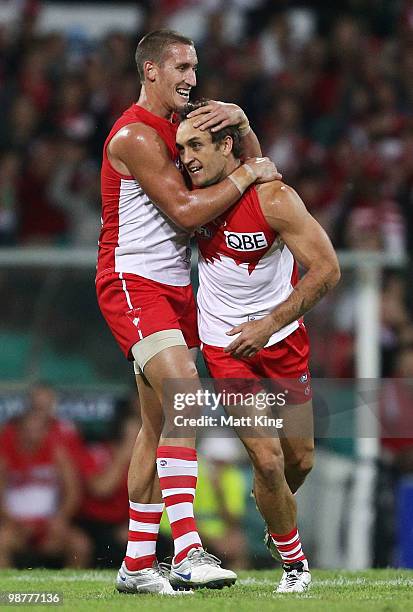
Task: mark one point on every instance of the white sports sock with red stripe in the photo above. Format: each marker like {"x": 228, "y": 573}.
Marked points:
{"x": 144, "y": 520}
{"x": 178, "y": 472}
{"x": 289, "y": 547}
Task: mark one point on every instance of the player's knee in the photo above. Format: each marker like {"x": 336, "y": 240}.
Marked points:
{"x": 191, "y": 370}
{"x": 269, "y": 466}
{"x": 302, "y": 462}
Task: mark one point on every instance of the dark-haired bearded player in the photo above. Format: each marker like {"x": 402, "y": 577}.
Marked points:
{"x": 249, "y": 287}
{"x": 144, "y": 293}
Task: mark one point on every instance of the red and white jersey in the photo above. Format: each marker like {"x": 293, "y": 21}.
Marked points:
{"x": 245, "y": 270}
{"x": 32, "y": 488}
{"x": 136, "y": 236}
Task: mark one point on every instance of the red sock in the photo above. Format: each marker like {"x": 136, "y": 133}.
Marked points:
{"x": 144, "y": 520}
{"x": 178, "y": 472}
{"x": 289, "y": 547}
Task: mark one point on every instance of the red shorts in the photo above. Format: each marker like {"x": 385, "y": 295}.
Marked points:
{"x": 285, "y": 363}
{"x": 135, "y": 307}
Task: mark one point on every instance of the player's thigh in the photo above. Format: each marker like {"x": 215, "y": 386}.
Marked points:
{"x": 143, "y": 312}
{"x": 173, "y": 366}
{"x": 297, "y": 433}
{"x": 173, "y": 376}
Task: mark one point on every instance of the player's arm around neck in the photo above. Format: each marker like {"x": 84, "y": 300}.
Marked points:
{"x": 311, "y": 247}
{"x": 138, "y": 150}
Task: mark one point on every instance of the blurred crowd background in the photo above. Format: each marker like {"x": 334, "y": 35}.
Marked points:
{"x": 329, "y": 91}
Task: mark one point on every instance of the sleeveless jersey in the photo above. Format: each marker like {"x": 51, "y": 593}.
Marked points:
{"x": 245, "y": 270}
{"x": 136, "y": 236}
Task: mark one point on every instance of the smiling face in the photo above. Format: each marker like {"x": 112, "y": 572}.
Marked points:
{"x": 173, "y": 78}
{"x": 207, "y": 162}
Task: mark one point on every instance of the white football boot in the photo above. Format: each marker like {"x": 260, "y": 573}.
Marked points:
{"x": 295, "y": 579}
{"x": 148, "y": 580}
{"x": 200, "y": 570}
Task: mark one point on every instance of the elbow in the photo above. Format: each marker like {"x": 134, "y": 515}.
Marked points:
{"x": 186, "y": 224}
{"x": 334, "y": 275}
{"x": 187, "y": 212}
{"x": 185, "y": 221}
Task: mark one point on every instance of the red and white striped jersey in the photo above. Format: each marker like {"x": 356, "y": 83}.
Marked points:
{"x": 245, "y": 270}
{"x": 136, "y": 236}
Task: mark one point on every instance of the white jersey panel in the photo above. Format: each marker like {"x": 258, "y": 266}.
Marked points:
{"x": 150, "y": 244}
{"x": 228, "y": 295}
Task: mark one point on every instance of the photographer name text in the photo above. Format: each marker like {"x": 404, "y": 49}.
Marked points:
{"x": 228, "y": 421}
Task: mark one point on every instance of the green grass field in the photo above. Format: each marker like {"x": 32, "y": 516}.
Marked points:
{"x": 331, "y": 591}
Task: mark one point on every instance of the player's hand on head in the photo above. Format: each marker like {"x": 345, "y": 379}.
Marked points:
{"x": 253, "y": 336}
{"x": 264, "y": 169}
{"x": 218, "y": 115}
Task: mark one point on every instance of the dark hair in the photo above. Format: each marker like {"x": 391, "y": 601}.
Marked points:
{"x": 152, "y": 47}
{"x": 219, "y": 136}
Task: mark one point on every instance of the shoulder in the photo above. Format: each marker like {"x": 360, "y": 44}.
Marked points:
{"x": 275, "y": 190}
{"x": 138, "y": 143}
{"x": 280, "y": 203}
{"x": 134, "y": 133}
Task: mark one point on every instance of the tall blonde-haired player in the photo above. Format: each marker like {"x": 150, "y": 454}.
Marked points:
{"x": 144, "y": 293}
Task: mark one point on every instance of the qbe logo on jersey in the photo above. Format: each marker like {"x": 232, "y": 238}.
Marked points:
{"x": 246, "y": 241}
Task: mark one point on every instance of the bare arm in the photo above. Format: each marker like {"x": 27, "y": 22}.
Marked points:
{"x": 138, "y": 150}
{"x": 217, "y": 115}
{"x": 311, "y": 247}
{"x": 250, "y": 145}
